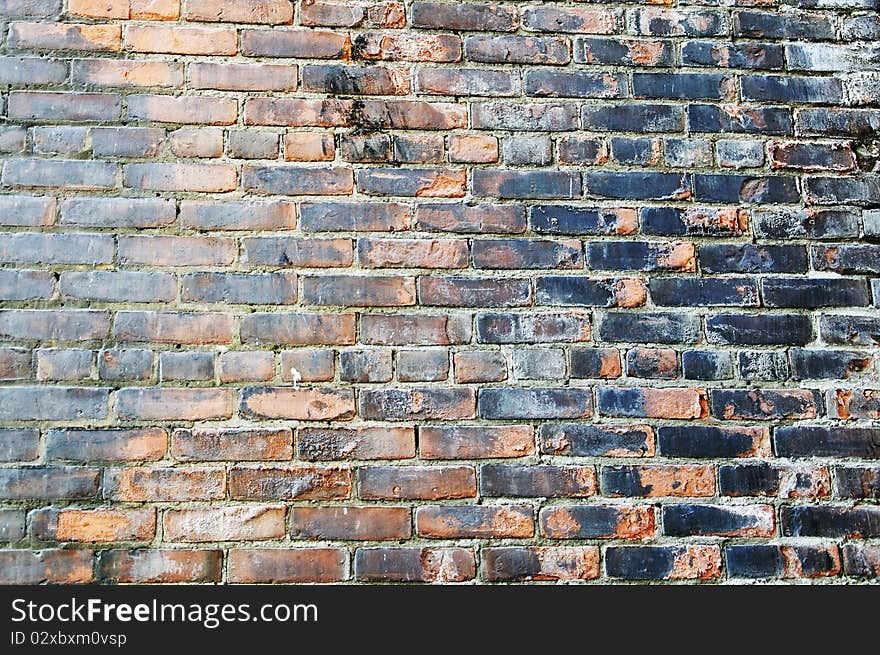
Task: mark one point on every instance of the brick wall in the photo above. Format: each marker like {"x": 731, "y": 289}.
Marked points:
{"x": 438, "y": 291}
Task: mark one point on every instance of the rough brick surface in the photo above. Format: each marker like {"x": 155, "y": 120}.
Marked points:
{"x": 470, "y": 292}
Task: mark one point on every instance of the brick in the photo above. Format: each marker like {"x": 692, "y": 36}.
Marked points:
{"x": 754, "y": 329}
{"x": 298, "y": 329}
{"x": 467, "y": 82}
{"x": 861, "y": 560}
{"x": 678, "y": 292}
{"x": 309, "y": 44}
{"x": 76, "y": 107}
{"x": 173, "y": 327}
{"x": 552, "y": 117}
{"x": 307, "y": 365}
{"x": 160, "y": 565}
{"x": 471, "y": 442}
{"x": 588, "y": 363}
{"x": 767, "y": 480}
{"x": 533, "y": 327}
{"x": 630, "y": 52}
{"x": 474, "y": 521}
{"x": 440, "y": 565}
{"x": 691, "y": 562}
{"x": 748, "y": 258}
{"x": 820, "y": 441}
{"x": 65, "y": 36}
{"x": 140, "y": 483}
{"x": 535, "y": 403}
{"x": 829, "y": 521}
{"x": 299, "y": 404}
{"x": 527, "y": 563}
{"x": 669, "y": 22}
{"x": 242, "y": 215}
{"x": 19, "y": 444}
{"x": 246, "y": 366}
{"x": 365, "y": 523}
{"x": 422, "y": 365}
{"x": 59, "y": 174}
{"x": 853, "y": 404}
{"x": 473, "y": 149}
{"x": 100, "y": 525}
{"x": 416, "y": 483}
{"x": 182, "y": 366}
{"x": 23, "y": 211}
{"x": 294, "y": 565}
{"x": 409, "y": 404}
{"x": 765, "y": 404}
{"x": 812, "y": 293}
{"x": 68, "y": 325}
{"x": 652, "y": 403}
{"x": 52, "y": 403}
{"x": 517, "y": 49}
{"x": 546, "y": 481}
{"x": 126, "y": 73}
{"x": 680, "y": 86}
{"x": 756, "y": 56}
{"x": 63, "y": 365}
{"x": 767, "y": 561}
{"x": 173, "y": 404}
{"x": 410, "y": 47}
{"x": 55, "y": 566}
{"x": 479, "y": 366}
{"x": 707, "y": 442}
{"x": 49, "y": 483}
{"x": 106, "y": 445}
{"x": 649, "y": 327}
{"x": 736, "y": 119}
{"x": 658, "y": 481}
{"x": 269, "y": 12}
{"x": 597, "y": 292}
{"x": 32, "y": 70}
{"x": 573, "y": 84}
{"x": 125, "y": 364}
{"x": 597, "y": 522}
{"x": 479, "y": 219}
{"x": 12, "y": 525}
{"x": 331, "y": 444}
{"x": 118, "y": 286}
{"x": 562, "y": 219}
{"x": 373, "y": 365}
{"x": 247, "y": 144}
{"x": 206, "y": 178}
{"x": 181, "y": 40}
{"x": 239, "y": 523}
{"x": 468, "y": 17}
{"x": 361, "y": 14}
{"x": 26, "y": 285}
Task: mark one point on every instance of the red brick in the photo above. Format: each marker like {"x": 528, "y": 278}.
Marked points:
{"x": 416, "y": 482}
{"x": 290, "y": 483}
{"x": 475, "y": 521}
{"x": 296, "y": 565}
{"x": 160, "y": 565}
{"x": 350, "y": 523}
{"x": 234, "y": 523}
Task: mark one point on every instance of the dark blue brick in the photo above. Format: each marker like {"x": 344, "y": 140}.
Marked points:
{"x": 748, "y": 480}
{"x": 587, "y": 440}
{"x": 863, "y": 191}
{"x": 763, "y": 365}
{"x": 564, "y": 219}
{"x": 695, "y": 520}
{"x": 574, "y": 291}
{"x": 765, "y": 404}
{"x": 784, "y": 25}
{"x": 574, "y": 84}
{"x": 705, "y": 292}
{"x": 754, "y": 561}
{"x": 706, "y": 365}
{"x": 745, "y": 188}
{"x": 671, "y": 221}
{"x": 810, "y": 293}
{"x": 642, "y": 562}
{"x": 682, "y": 86}
{"x": 759, "y": 329}
{"x": 763, "y": 56}
{"x": 828, "y": 364}
{"x": 635, "y": 151}
{"x": 803, "y": 224}
{"x": 826, "y": 521}
{"x": 633, "y": 117}
{"x": 853, "y": 123}
{"x": 784, "y": 88}
{"x": 752, "y": 258}
{"x": 850, "y": 330}
{"x": 822, "y": 441}
{"x": 706, "y": 442}
{"x": 650, "y": 327}
{"x": 637, "y": 186}
{"x": 739, "y": 120}
{"x": 857, "y": 482}
{"x": 637, "y": 256}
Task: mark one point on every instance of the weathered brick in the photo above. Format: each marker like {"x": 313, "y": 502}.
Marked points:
{"x": 287, "y": 566}
{"x": 692, "y": 562}
{"x": 408, "y": 404}
{"x": 442, "y": 565}
{"x": 301, "y": 404}
{"x": 546, "y": 481}
{"x": 522, "y": 563}
{"x": 110, "y": 445}
{"x": 597, "y": 522}
{"x": 55, "y": 566}
{"x": 474, "y": 521}
{"x": 173, "y": 404}
{"x": 364, "y": 523}
{"x": 161, "y": 565}
{"x": 416, "y": 482}
{"x": 707, "y": 442}
{"x": 329, "y": 444}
